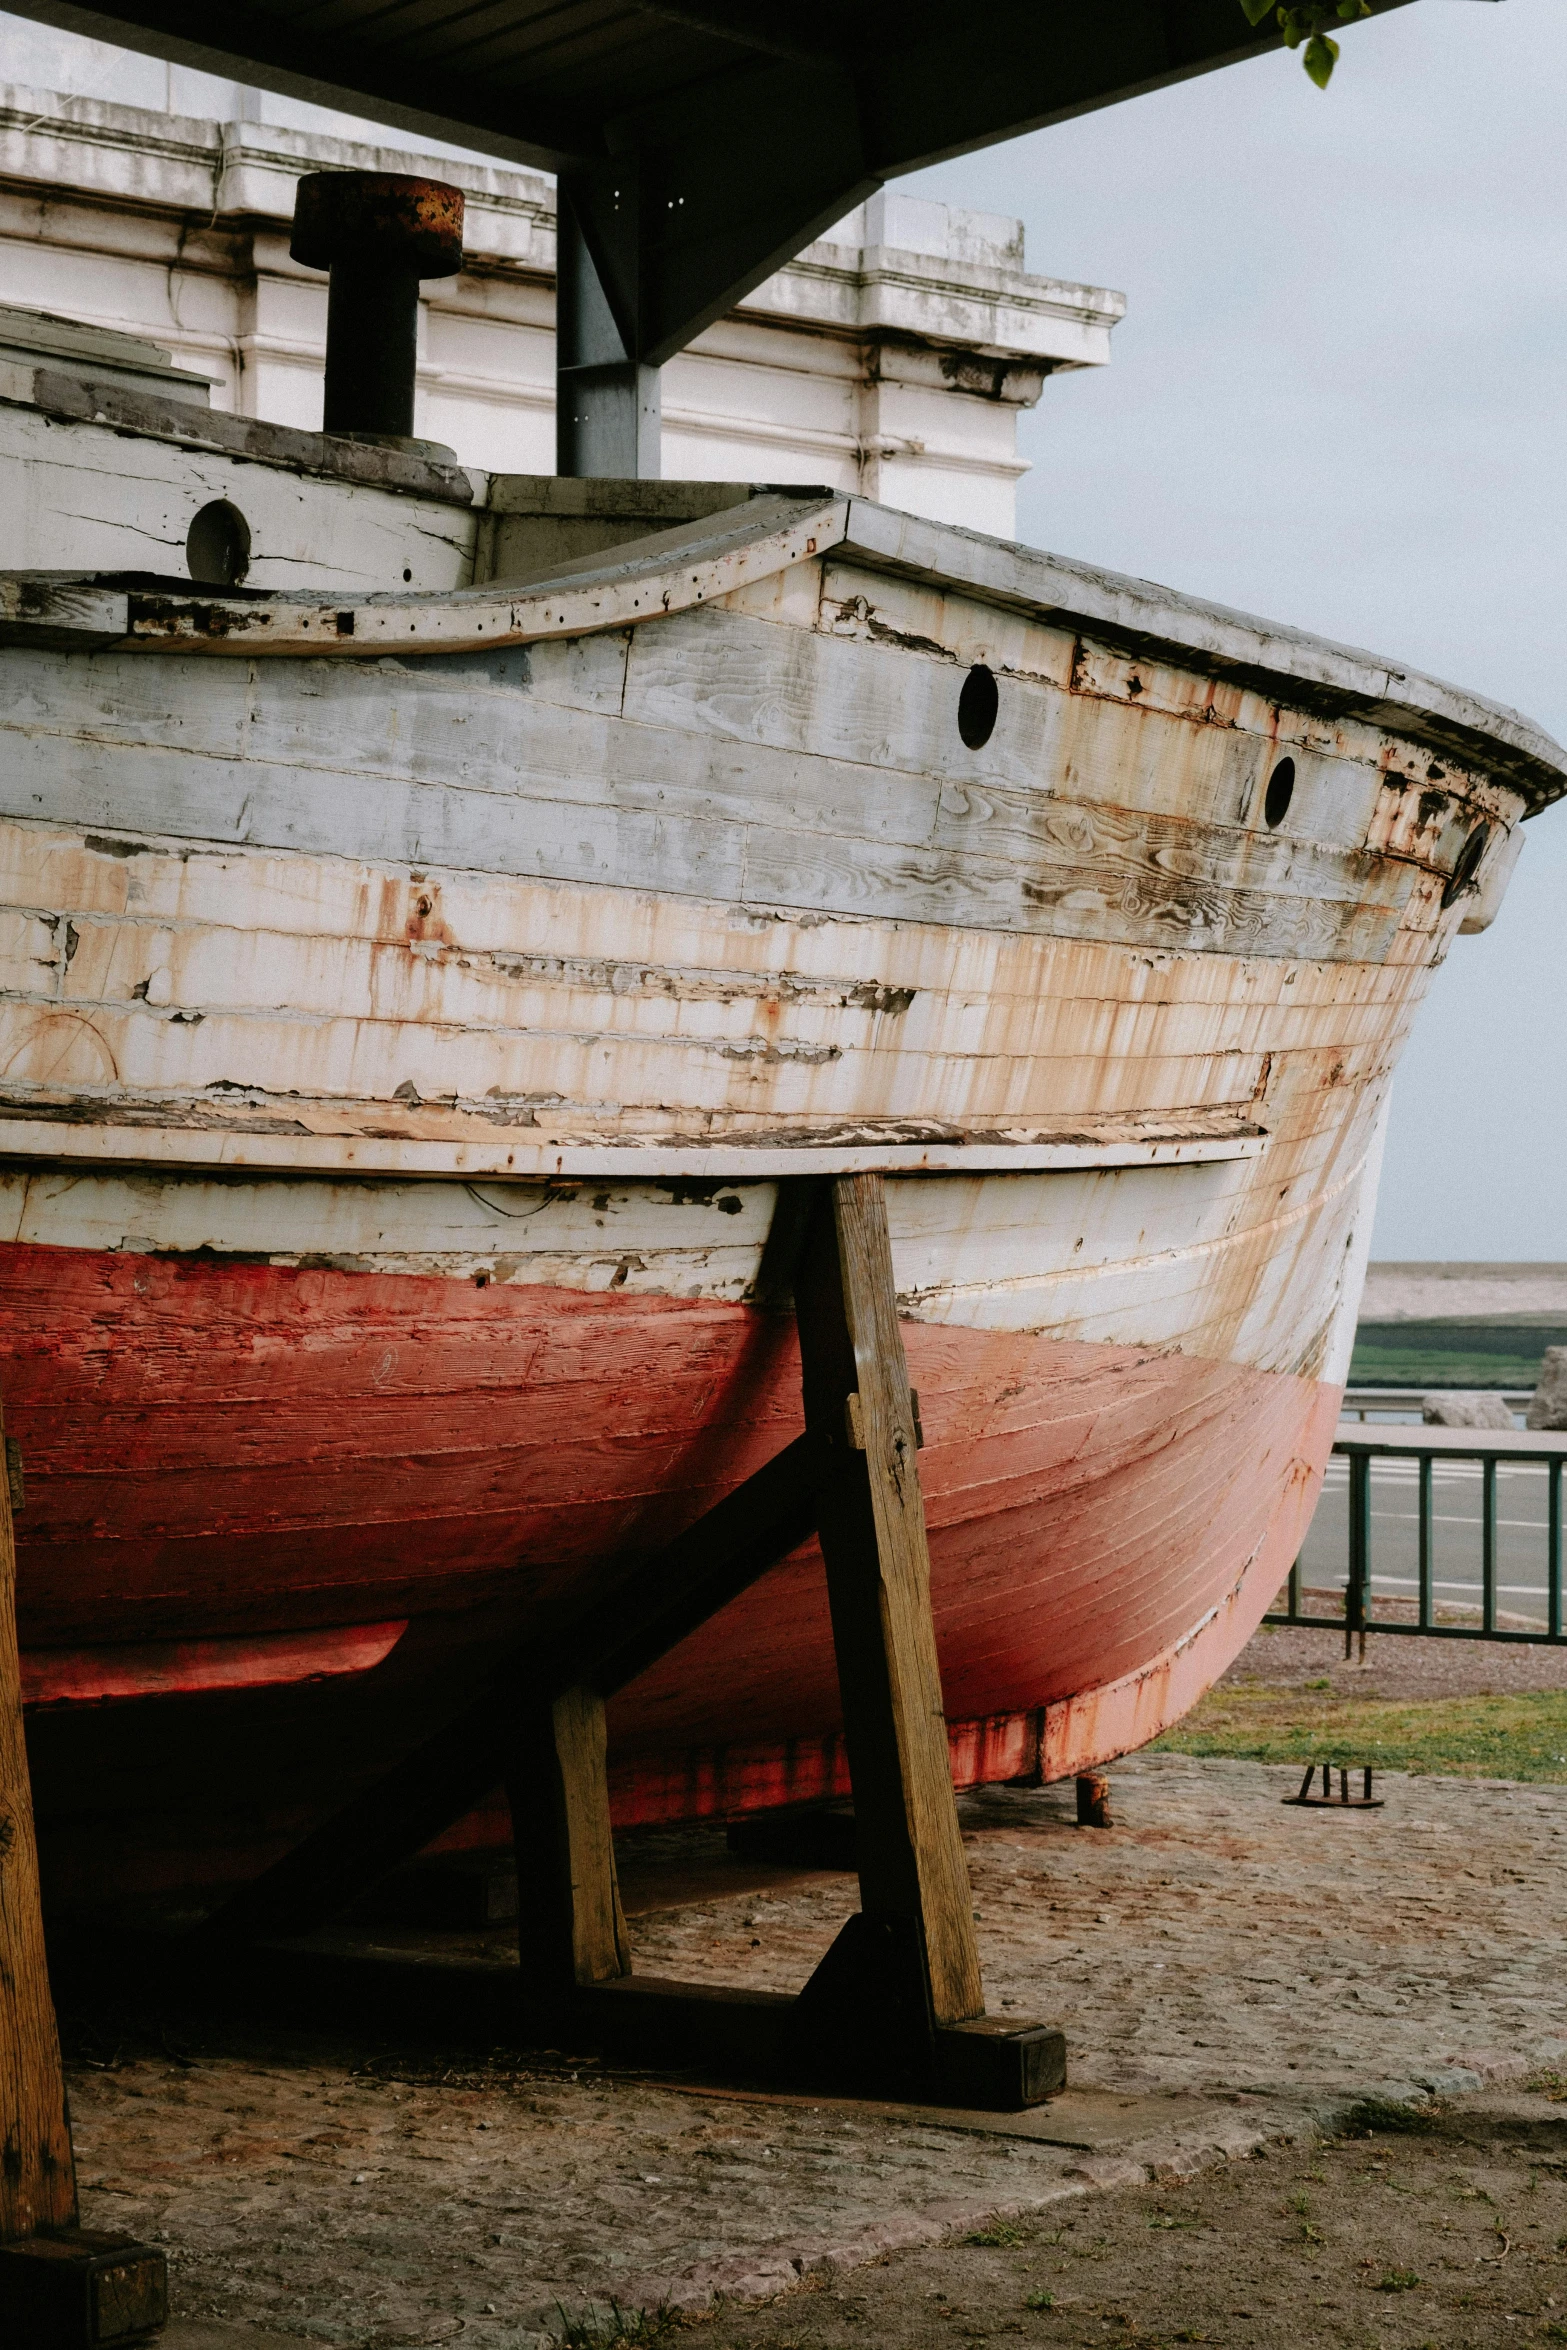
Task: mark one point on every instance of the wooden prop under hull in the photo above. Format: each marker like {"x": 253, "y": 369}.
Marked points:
{"x": 897, "y": 2005}
{"x": 216, "y": 1476}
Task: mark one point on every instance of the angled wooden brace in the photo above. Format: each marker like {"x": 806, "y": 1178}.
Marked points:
{"x": 650, "y": 1610}
{"x": 59, "y": 2284}
{"x": 897, "y": 2005}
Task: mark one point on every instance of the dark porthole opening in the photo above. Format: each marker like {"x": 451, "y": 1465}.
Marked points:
{"x": 217, "y": 546}
{"x": 977, "y": 707}
{"x": 1281, "y": 790}
{"x": 1463, "y": 873}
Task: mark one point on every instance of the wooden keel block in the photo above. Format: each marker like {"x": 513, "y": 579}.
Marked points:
{"x": 1093, "y": 1800}
{"x": 999, "y": 2067}
{"x": 645, "y": 2020}
{"x": 81, "y": 2290}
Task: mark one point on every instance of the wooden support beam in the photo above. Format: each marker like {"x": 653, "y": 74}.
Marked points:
{"x": 571, "y": 1932}
{"x": 897, "y": 2004}
{"x": 37, "y": 2170}
{"x": 650, "y": 1610}
{"x": 58, "y": 2284}
{"x": 872, "y": 1530}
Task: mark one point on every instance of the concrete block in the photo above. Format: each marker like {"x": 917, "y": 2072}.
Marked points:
{"x": 1548, "y": 1408}
{"x": 1454, "y": 1408}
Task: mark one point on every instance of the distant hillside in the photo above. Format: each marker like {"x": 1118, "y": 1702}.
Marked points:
{"x": 1456, "y": 1325}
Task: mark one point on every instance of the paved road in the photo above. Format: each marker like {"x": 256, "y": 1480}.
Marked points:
{"x": 1521, "y": 1535}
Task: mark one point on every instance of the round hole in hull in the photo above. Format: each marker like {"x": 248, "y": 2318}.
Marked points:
{"x": 977, "y": 707}
{"x": 217, "y": 545}
{"x": 1281, "y": 790}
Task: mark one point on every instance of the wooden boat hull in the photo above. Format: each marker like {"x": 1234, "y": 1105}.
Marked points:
{"x": 246, "y": 1479}
{"x": 409, "y": 1034}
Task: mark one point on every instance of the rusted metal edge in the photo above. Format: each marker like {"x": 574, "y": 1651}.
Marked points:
{"x": 119, "y": 1144}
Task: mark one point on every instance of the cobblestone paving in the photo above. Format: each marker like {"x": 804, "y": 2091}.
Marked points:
{"x": 1264, "y": 1964}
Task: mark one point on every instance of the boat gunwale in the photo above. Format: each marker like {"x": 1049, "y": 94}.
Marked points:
{"x": 700, "y": 562}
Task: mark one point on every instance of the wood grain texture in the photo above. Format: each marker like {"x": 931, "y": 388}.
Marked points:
{"x": 872, "y": 1538}
{"x": 80, "y": 496}
{"x": 1086, "y": 1507}
{"x": 37, "y": 2168}
{"x": 571, "y": 1930}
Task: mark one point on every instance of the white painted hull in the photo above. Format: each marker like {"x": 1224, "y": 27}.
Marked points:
{"x": 480, "y": 991}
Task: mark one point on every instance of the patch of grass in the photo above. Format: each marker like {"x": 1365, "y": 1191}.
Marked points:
{"x": 1445, "y": 1354}
{"x": 1396, "y": 2280}
{"x": 1516, "y": 1737}
{"x": 615, "y": 2328}
{"x": 1045, "y": 2300}
{"x": 999, "y": 2232}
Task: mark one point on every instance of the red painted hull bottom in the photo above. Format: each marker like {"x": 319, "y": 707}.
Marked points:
{"x": 277, "y": 1519}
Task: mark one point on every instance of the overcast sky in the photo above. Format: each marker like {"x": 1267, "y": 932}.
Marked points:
{"x": 1339, "y": 398}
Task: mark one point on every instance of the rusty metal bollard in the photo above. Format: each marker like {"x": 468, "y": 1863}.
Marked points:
{"x": 378, "y": 233}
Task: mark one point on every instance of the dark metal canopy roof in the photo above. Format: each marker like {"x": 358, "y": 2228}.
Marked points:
{"x": 703, "y": 142}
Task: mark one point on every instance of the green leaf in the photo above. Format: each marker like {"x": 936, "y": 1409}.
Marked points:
{"x": 1351, "y": 10}
{"x": 1256, "y": 10}
{"x": 1320, "y": 59}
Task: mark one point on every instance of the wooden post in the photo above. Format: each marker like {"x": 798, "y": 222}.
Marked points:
{"x": 37, "y": 2170}
{"x": 59, "y": 2284}
{"x": 1093, "y": 1800}
{"x": 571, "y": 1931}
{"x": 913, "y": 1877}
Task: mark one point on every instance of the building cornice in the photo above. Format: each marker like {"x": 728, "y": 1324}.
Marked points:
{"x": 240, "y": 176}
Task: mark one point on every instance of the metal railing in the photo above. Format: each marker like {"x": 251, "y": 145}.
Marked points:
{"x": 1360, "y": 1403}
{"x": 1454, "y": 1606}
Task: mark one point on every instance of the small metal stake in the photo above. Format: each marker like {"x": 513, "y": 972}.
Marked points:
{"x": 1343, "y": 1801}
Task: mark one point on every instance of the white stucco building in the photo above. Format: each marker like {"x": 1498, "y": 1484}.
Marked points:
{"x": 894, "y": 356}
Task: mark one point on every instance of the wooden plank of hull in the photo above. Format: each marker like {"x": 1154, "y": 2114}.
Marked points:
{"x": 447, "y": 1414}
{"x": 550, "y": 1437}
{"x": 1157, "y": 1505}
{"x": 760, "y": 881}
{"x": 558, "y": 1403}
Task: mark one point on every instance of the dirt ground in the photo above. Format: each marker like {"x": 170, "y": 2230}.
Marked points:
{"x": 1451, "y": 2239}
{"x": 1397, "y": 1667}
{"x": 1444, "y": 2235}
{"x": 1231, "y": 1974}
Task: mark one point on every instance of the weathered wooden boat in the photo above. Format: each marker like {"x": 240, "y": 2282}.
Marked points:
{"x": 417, "y": 1004}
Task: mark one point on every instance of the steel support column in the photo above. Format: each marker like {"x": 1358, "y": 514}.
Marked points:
{"x": 608, "y": 416}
